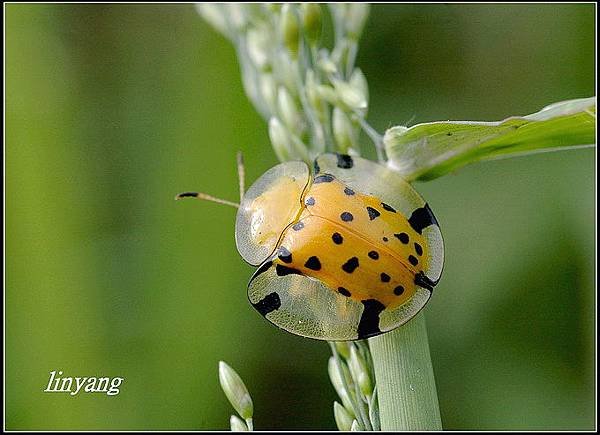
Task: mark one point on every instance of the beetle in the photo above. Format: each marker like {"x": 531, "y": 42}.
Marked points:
{"x": 344, "y": 250}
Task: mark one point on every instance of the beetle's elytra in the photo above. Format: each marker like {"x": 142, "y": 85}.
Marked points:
{"x": 345, "y": 251}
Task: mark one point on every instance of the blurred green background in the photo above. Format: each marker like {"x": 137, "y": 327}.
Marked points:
{"x": 113, "y": 109}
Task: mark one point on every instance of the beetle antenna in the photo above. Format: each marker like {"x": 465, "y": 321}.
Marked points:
{"x": 241, "y": 178}
{"x": 241, "y": 174}
{"x": 204, "y": 196}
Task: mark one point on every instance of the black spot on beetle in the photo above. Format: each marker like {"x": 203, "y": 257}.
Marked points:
{"x": 316, "y": 167}
{"x": 284, "y": 270}
{"x": 325, "y": 178}
{"x": 310, "y": 201}
{"x": 388, "y": 207}
{"x": 270, "y": 302}
{"x": 344, "y": 292}
{"x": 449, "y": 134}
{"x": 373, "y": 213}
{"x": 347, "y": 216}
{"x": 313, "y": 263}
{"x": 368, "y": 325}
{"x": 298, "y": 226}
{"x": 262, "y": 269}
{"x": 399, "y": 290}
{"x": 403, "y": 237}
{"x": 337, "y": 238}
{"x": 385, "y": 239}
{"x": 424, "y": 281}
{"x": 418, "y": 249}
{"x": 348, "y": 191}
{"x": 421, "y": 218}
{"x": 350, "y": 265}
{"x": 413, "y": 260}
{"x": 284, "y": 255}
{"x": 385, "y": 277}
{"x": 344, "y": 161}
{"x": 374, "y": 255}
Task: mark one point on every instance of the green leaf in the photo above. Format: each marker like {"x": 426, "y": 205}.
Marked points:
{"x": 427, "y": 151}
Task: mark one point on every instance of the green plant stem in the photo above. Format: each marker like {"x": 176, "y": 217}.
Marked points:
{"x": 373, "y": 135}
{"x": 405, "y": 382}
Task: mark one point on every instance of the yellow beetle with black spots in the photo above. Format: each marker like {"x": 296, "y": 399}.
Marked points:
{"x": 345, "y": 252}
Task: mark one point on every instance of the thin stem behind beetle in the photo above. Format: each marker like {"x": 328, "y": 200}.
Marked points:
{"x": 374, "y": 136}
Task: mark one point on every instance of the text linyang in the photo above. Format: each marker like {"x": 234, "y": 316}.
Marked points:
{"x": 59, "y": 384}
